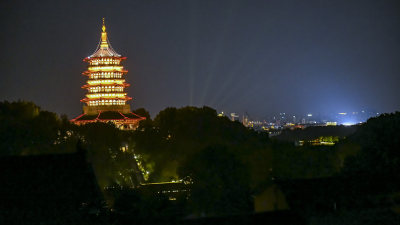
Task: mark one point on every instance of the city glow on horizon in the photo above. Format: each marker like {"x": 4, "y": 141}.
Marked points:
{"x": 350, "y": 123}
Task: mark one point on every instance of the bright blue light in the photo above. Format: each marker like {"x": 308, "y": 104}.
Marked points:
{"x": 349, "y": 123}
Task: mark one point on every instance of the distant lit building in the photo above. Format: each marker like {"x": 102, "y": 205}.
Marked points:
{"x": 246, "y": 122}
{"x": 106, "y": 98}
{"x": 234, "y": 117}
{"x": 177, "y": 190}
{"x": 331, "y": 123}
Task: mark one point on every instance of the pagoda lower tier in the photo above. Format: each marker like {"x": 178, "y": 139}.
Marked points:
{"x": 121, "y": 116}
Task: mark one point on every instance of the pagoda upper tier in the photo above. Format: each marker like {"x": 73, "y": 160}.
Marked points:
{"x": 104, "y": 48}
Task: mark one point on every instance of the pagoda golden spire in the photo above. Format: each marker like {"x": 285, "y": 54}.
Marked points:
{"x": 104, "y": 43}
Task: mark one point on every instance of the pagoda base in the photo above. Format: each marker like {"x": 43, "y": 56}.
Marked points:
{"x": 123, "y": 121}
{"x": 94, "y": 110}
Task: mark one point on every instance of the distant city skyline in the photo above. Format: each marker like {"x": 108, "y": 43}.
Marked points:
{"x": 259, "y": 57}
{"x": 342, "y": 118}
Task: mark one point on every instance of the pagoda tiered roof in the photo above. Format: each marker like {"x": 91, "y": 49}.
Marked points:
{"x": 87, "y": 72}
{"x": 108, "y": 116}
{"x": 91, "y": 57}
{"x": 126, "y": 98}
{"x": 104, "y": 48}
{"x": 106, "y": 52}
{"x": 106, "y": 98}
{"x": 105, "y": 85}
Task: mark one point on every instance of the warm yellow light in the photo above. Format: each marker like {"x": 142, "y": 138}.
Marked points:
{"x": 105, "y": 89}
{"x": 331, "y": 123}
{"x": 106, "y": 102}
{"x": 105, "y": 61}
{"x": 104, "y": 43}
{"x": 107, "y": 95}
{"x": 94, "y": 82}
{"x": 105, "y": 68}
{"x": 97, "y": 75}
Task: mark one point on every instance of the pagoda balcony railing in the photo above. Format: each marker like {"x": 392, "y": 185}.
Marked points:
{"x": 87, "y": 72}
{"x": 105, "y": 98}
{"x": 88, "y": 59}
{"x": 105, "y": 68}
{"x": 108, "y": 79}
{"x": 96, "y": 77}
{"x": 104, "y": 76}
{"x": 86, "y": 86}
{"x": 105, "y": 81}
{"x": 106, "y": 92}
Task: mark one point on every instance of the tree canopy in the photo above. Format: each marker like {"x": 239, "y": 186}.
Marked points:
{"x": 225, "y": 161}
{"x": 379, "y": 147}
{"x": 176, "y": 134}
{"x": 28, "y": 130}
{"x": 220, "y": 182}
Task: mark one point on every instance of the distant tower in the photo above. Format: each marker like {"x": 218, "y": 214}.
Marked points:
{"x": 106, "y": 99}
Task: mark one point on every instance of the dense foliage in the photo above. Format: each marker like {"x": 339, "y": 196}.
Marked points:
{"x": 176, "y": 134}
{"x": 378, "y": 143}
{"x": 315, "y": 132}
{"x": 225, "y": 162}
{"x": 220, "y": 182}
{"x": 26, "y": 130}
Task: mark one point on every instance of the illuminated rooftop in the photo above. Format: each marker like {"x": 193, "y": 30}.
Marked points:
{"x": 104, "y": 48}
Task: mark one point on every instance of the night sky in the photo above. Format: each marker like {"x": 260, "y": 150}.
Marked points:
{"x": 259, "y": 57}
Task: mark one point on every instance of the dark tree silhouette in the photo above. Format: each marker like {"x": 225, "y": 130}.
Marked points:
{"x": 176, "y": 134}
{"x": 220, "y": 182}
{"x": 379, "y": 154}
{"x": 27, "y": 130}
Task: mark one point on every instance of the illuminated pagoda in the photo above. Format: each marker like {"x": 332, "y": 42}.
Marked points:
{"x": 106, "y": 99}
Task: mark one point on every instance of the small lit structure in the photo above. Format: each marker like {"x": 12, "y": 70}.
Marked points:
{"x": 176, "y": 190}
{"x": 331, "y": 123}
{"x": 106, "y": 99}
